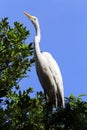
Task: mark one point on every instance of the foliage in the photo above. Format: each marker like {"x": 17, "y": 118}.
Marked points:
{"x": 14, "y": 54}
{"x": 20, "y": 111}
{"x": 24, "y": 112}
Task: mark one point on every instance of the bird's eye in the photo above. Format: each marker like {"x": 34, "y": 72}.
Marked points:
{"x": 34, "y": 19}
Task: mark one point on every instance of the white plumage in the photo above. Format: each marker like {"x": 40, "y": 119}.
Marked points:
{"x": 47, "y": 69}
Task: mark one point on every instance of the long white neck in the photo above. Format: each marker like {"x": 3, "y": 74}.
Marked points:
{"x": 36, "y": 41}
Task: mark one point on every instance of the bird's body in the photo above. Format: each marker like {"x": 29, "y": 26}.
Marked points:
{"x": 47, "y": 70}
{"x": 50, "y": 78}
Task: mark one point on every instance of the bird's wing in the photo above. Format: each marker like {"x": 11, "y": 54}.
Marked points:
{"x": 54, "y": 68}
{"x": 53, "y": 65}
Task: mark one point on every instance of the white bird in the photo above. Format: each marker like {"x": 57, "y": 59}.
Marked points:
{"x": 47, "y": 69}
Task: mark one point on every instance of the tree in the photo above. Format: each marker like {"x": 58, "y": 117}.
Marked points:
{"x": 18, "y": 110}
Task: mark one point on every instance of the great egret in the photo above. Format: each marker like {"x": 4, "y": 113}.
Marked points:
{"x": 47, "y": 69}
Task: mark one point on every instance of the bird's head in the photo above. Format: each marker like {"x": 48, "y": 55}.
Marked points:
{"x": 33, "y": 19}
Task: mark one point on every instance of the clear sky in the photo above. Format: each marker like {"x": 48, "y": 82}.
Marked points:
{"x": 64, "y": 34}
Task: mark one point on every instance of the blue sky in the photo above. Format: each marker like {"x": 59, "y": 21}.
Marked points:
{"x": 63, "y": 33}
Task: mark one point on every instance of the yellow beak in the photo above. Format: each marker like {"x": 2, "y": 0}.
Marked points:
{"x": 28, "y": 15}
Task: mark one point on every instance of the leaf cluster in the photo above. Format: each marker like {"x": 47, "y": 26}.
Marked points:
{"x": 24, "y": 112}
{"x": 14, "y": 55}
